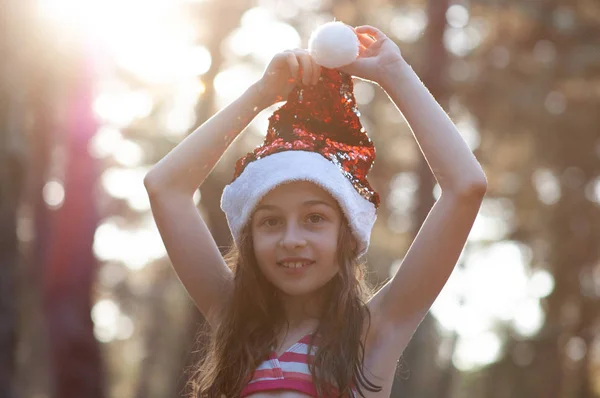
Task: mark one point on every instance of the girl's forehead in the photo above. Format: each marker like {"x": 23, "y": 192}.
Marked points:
{"x": 297, "y": 192}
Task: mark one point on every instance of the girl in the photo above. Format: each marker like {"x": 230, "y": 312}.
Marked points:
{"x": 288, "y": 310}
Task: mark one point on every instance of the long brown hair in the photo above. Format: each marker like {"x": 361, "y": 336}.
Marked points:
{"x": 253, "y": 318}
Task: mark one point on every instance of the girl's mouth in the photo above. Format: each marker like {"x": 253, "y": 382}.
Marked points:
{"x": 292, "y": 266}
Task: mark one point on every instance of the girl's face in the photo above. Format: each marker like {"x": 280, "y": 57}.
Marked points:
{"x": 301, "y": 221}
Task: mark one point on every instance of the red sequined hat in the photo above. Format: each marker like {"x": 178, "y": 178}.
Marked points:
{"x": 315, "y": 136}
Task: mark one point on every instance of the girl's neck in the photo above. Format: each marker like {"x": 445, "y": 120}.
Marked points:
{"x": 301, "y": 311}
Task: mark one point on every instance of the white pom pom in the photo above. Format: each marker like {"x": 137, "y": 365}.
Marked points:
{"x": 333, "y": 45}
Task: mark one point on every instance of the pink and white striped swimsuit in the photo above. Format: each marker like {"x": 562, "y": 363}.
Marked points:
{"x": 287, "y": 372}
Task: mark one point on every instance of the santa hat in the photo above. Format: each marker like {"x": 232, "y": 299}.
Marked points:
{"x": 315, "y": 136}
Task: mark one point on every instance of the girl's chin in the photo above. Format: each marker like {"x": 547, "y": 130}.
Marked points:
{"x": 299, "y": 289}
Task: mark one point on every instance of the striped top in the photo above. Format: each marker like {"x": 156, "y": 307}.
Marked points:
{"x": 288, "y": 372}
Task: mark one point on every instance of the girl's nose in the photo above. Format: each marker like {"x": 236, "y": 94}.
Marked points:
{"x": 292, "y": 237}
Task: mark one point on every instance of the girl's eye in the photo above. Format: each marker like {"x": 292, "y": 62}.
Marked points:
{"x": 315, "y": 218}
{"x": 274, "y": 221}
{"x": 270, "y": 222}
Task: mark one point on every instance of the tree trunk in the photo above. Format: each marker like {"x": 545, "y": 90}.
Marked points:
{"x": 68, "y": 263}
{"x": 12, "y": 177}
{"x": 12, "y": 173}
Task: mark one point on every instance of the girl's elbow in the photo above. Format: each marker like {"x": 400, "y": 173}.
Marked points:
{"x": 474, "y": 188}
{"x": 152, "y": 182}
{"x": 157, "y": 182}
{"x": 469, "y": 188}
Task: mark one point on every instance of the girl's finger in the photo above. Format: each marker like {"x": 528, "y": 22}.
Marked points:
{"x": 362, "y": 50}
{"x": 316, "y": 71}
{"x": 306, "y": 64}
{"x": 376, "y": 33}
{"x": 293, "y": 65}
{"x": 374, "y": 49}
{"x": 365, "y": 44}
{"x": 365, "y": 39}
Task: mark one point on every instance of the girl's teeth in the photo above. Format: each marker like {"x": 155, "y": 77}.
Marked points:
{"x": 294, "y": 265}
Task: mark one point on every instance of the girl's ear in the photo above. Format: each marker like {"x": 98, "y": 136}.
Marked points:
{"x": 360, "y": 274}
{"x": 354, "y": 247}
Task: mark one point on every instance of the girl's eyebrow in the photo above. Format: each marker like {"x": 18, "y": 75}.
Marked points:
{"x": 307, "y": 203}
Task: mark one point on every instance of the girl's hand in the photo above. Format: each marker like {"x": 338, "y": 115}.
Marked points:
{"x": 285, "y": 71}
{"x": 377, "y": 53}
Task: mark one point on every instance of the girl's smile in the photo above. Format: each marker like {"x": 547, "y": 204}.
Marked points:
{"x": 289, "y": 270}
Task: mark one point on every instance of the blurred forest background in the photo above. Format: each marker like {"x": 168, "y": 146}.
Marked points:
{"x": 94, "y": 92}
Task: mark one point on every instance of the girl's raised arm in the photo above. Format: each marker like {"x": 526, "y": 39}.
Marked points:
{"x": 172, "y": 182}
{"x": 403, "y": 302}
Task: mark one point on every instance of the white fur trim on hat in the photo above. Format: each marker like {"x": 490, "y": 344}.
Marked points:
{"x": 260, "y": 176}
{"x": 333, "y": 45}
